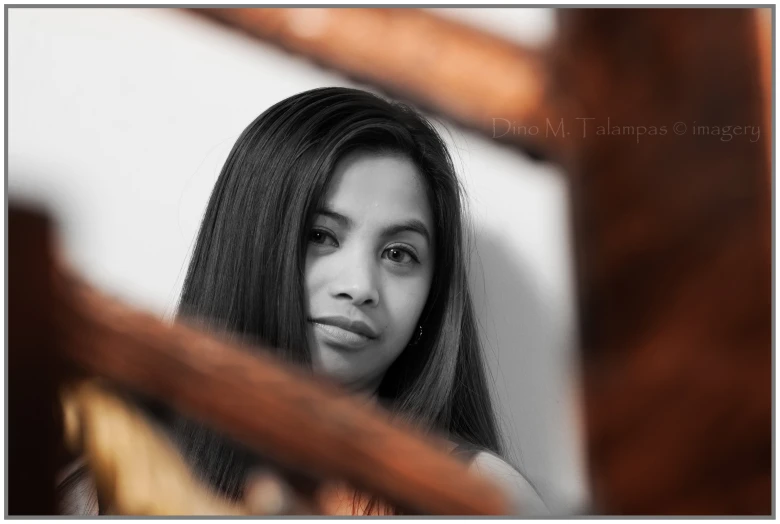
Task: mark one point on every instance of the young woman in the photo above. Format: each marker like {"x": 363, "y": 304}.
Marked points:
{"x": 334, "y": 234}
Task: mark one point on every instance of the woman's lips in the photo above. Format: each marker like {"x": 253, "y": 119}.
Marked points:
{"x": 341, "y": 337}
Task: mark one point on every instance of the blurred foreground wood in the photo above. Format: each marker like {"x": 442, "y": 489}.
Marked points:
{"x": 282, "y": 412}
{"x": 452, "y": 68}
{"x": 136, "y": 469}
{"x": 34, "y": 372}
{"x": 673, "y": 246}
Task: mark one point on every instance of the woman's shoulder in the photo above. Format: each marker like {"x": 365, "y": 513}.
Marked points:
{"x": 523, "y": 495}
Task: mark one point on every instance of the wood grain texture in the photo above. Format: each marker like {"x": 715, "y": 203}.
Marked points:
{"x": 34, "y": 427}
{"x": 764, "y": 20}
{"x": 673, "y": 249}
{"x": 288, "y": 415}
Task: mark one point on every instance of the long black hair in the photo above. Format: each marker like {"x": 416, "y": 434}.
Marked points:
{"x": 247, "y": 270}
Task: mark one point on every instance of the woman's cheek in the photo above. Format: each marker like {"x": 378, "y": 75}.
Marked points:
{"x": 412, "y": 301}
{"x": 315, "y": 279}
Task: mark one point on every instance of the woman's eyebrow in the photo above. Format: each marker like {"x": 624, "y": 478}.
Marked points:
{"x": 414, "y": 225}
{"x": 344, "y": 221}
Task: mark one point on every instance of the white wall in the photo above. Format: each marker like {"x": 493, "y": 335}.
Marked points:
{"x": 120, "y": 120}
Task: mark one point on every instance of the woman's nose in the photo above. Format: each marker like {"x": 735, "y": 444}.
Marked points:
{"x": 357, "y": 282}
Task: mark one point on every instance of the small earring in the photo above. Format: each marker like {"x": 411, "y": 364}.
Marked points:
{"x": 417, "y": 337}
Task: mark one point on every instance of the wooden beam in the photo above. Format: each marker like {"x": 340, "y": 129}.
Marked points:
{"x": 290, "y": 416}
{"x": 466, "y": 74}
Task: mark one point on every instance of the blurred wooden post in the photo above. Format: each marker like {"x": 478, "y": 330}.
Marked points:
{"x": 34, "y": 369}
{"x": 673, "y": 246}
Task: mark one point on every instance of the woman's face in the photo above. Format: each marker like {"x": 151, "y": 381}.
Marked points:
{"x": 369, "y": 266}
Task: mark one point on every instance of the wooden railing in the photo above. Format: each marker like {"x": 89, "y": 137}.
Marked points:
{"x": 672, "y": 236}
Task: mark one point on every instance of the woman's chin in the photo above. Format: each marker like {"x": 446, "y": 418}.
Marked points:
{"x": 346, "y": 374}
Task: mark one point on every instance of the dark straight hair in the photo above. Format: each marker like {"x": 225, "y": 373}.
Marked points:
{"x": 247, "y": 270}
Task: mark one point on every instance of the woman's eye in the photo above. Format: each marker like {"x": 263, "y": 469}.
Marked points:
{"x": 321, "y": 237}
{"x": 400, "y": 255}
